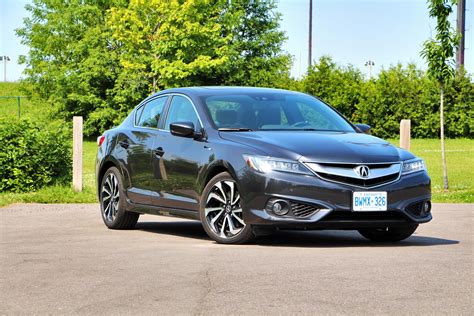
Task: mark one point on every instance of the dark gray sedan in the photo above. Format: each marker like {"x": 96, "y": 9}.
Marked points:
{"x": 247, "y": 161}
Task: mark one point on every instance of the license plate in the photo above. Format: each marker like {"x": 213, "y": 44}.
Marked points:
{"x": 369, "y": 201}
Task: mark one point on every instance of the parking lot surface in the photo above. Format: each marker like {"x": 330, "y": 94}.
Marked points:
{"x": 59, "y": 259}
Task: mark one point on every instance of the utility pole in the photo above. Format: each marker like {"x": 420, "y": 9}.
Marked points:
{"x": 310, "y": 37}
{"x": 5, "y": 59}
{"x": 461, "y": 28}
{"x": 370, "y": 64}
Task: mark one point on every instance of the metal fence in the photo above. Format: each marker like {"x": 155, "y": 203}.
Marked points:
{"x": 18, "y": 98}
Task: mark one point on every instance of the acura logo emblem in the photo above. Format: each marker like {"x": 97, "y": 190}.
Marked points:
{"x": 362, "y": 171}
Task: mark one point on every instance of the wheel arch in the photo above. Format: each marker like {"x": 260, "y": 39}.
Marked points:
{"x": 106, "y": 166}
{"x": 215, "y": 169}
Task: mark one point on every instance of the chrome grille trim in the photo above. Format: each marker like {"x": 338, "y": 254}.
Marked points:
{"x": 349, "y": 172}
{"x": 380, "y": 173}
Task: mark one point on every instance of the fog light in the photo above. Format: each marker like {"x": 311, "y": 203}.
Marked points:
{"x": 278, "y": 207}
{"x": 427, "y": 207}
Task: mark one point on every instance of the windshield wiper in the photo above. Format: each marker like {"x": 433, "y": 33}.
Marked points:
{"x": 235, "y": 129}
{"x": 316, "y": 130}
{"x": 291, "y": 129}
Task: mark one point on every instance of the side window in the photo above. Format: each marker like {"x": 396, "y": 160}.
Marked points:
{"x": 138, "y": 113}
{"x": 181, "y": 110}
{"x": 151, "y": 113}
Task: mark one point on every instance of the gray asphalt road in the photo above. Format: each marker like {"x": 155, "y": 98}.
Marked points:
{"x": 60, "y": 259}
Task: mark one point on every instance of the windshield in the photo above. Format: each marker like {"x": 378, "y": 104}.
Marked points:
{"x": 273, "y": 111}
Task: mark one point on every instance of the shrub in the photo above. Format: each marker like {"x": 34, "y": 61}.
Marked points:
{"x": 33, "y": 155}
{"x": 400, "y": 93}
{"x": 396, "y": 93}
{"x": 336, "y": 85}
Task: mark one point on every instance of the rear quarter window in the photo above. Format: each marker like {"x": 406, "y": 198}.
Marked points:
{"x": 151, "y": 113}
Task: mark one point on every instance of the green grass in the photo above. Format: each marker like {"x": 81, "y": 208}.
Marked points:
{"x": 460, "y": 165}
{"x": 29, "y": 107}
{"x": 460, "y": 159}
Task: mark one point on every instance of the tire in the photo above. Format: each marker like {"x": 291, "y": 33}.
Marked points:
{"x": 221, "y": 211}
{"x": 112, "y": 202}
{"x": 388, "y": 234}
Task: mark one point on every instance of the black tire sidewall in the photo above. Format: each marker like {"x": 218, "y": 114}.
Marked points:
{"x": 121, "y": 206}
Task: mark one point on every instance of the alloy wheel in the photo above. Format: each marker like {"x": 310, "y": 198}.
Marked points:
{"x": 223, "y": 211}
{"x": 110, "y": 197}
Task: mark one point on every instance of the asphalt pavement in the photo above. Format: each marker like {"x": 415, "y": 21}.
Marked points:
{"x": 61, "y": 259}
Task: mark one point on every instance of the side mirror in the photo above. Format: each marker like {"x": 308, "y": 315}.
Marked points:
{"x": 363, "y": 128}
{"x": 183, "y": 129}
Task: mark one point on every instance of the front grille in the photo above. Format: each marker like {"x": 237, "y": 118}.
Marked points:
{"x": 351, "y": 165}
{"x": 359, "y": 182}
{"x": 345, "y": 173}
{"x": 303, "y": 210}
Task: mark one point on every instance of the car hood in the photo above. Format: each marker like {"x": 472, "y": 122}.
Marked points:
{"x": 320, "y": 146}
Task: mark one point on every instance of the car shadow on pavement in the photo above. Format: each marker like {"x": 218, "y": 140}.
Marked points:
{"x": 187, "y": 229}
{"x": 335, "y": 239}
{"x": 287, "y": 238}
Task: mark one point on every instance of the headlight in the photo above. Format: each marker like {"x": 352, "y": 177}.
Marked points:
{"x": 413, "y": 165}
{"x": 267, "y": 164}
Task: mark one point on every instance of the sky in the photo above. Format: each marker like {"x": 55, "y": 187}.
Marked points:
{"x": 350, "y": 31}
{"x": 355, "y": 31}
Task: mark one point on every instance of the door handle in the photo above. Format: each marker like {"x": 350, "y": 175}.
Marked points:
{"x": 124, "y": 144}
{"x": 159, "y": 151}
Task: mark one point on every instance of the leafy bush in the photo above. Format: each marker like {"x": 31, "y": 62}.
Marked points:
{"x": 336, "y": 85}
{"x": 399, "y": 93}
{"x": 33, "y": 155}
{"x": 396, "y": 93}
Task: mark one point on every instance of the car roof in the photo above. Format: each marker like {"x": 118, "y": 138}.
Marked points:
{"x": 222, "y": 90}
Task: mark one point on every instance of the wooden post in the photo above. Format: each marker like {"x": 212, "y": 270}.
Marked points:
{"x": 77, "y": 153}
{"x": 405, "y": 126}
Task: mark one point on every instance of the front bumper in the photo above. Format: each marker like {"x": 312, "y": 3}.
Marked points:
{"x": 333, "y": 200}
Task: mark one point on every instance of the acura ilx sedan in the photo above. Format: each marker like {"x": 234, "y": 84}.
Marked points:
{"x": 247, "y": 161}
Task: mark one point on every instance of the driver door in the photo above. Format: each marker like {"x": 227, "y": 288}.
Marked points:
{"x": 178, "y": 160}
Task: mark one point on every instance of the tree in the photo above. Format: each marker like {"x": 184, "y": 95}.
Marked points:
{"x": 339, "y": 86}
{"x": 439, "y": 53}
{"x": 170, "y": 43}
{"x": 202, "y": 42}
{"x": 71, "y": 62}
{"x": 99, "y": 58}
{"x": 256, "y": 57}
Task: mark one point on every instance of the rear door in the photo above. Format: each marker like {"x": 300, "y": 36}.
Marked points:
{"x": 139, "y": 146}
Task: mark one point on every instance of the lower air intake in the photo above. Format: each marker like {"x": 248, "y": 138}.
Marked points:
{"x": 303, "y": 210}
{"x": 419, "y": 209}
